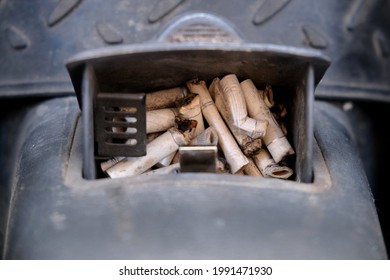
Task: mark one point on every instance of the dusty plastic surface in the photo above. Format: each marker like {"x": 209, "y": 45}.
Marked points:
{"x": 60, "y": 215}
{"x": 355, "y": 34}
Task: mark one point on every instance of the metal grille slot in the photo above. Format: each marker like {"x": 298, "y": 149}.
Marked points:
{"x": 120, "y": 124}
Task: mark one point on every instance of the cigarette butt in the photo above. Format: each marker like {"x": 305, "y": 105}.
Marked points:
{"x": 156, "y": 120}
{"x": 236, "y": 106}
{"x": 248, "y": 145}
{"x": 274, "y": 138}
{"x": 251, "y": 169}
{"x": 160, "y": 120}
{"x": 109, "y": 163}
{"x": 159, "y": 148}
{"x": 209, "y": 137}
{"x": 236, "y": 159}
{"x": 190, "y": 109}
{"x": 279, "y": 148}
{"x": 164, "y": 98}
{"x": 170, "y": 169}
{"x": 251, "y": 148}
{"x": 269, "y": 168}
{"x": 278, "y": 171}
{"x": 166, "y": 161}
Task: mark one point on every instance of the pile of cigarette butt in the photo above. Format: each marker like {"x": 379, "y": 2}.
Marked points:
{"x": 234, "y": 116}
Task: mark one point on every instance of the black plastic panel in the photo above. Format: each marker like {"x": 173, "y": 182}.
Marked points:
{"x": 130, "y": 140}
{"x": 60, "y": 215}
{"x": 38, "y": 36}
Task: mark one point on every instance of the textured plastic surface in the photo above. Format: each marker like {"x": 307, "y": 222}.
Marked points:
{"x": 60, "y": 215}
{"x": 38, "y": 36}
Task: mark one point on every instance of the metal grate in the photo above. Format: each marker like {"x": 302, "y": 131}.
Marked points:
{"x": 120, "y": 124}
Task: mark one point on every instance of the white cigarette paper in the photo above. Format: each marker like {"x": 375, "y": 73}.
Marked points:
{"x": 236, "y": 106}
{"x": 170, "y": 169}
{"x": 164, "y": 98}
{"x": 269, "y": 168}
{"x": 166, "y": 161}
{"x": 156, "y": 120}
{"x": 234, "y": 156}
{"x": 274, "y": 138}
{"x": 248, "y": 145}
{"x": 159, "y": 148}
{"x": 208, "y": 137}
{"x": 192, "y": 111}
{"x": 111, "y": 162}
{"x": 160, "y": 120}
